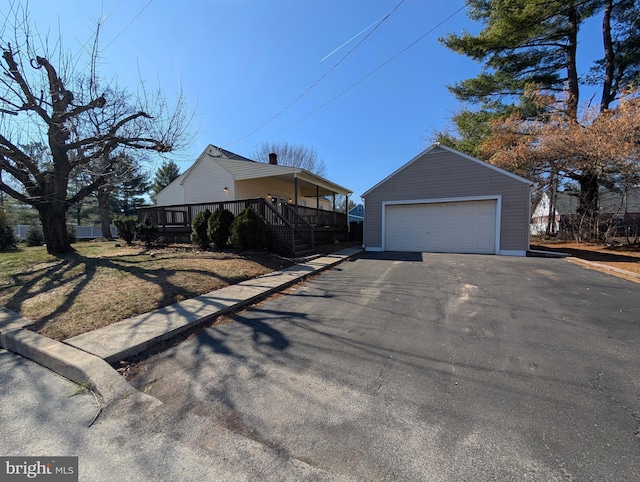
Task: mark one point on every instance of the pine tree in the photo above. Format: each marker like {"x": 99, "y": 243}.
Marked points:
{"x": 529, "y": 49}
{"x": 164, "y": 176}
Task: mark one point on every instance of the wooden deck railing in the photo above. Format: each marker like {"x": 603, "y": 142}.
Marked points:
{"x": 285, "y": 222}
{"x": 181, "y": 215}
{"x": 302, "y": 226}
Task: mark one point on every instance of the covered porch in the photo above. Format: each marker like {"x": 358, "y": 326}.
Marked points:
{"x": 294, "y": 229}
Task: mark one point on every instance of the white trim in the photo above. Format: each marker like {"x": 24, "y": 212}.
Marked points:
{"x": 506, "y": 252}
{"x": 374, "y": 249}
{"x": 497, "y": 198}
{"x": 453, "y": 151}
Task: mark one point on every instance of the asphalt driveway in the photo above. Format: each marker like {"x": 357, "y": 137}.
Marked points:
{"x": 417, "y": 367}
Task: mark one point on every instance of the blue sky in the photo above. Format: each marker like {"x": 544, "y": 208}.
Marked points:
{"x": 240, "y": 62}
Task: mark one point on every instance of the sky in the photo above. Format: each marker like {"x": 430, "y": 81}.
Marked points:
{"x": 239, "y": 63}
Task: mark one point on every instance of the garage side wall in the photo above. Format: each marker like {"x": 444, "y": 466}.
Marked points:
{"x": 440, "y": 174}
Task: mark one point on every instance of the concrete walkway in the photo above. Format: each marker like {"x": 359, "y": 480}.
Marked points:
{"x": 85, "y": 359}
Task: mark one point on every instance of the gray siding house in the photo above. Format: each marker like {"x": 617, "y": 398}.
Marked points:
{"x": 446, "y": 201}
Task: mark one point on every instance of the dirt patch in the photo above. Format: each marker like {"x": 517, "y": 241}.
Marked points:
{"x": 621, "y": 257}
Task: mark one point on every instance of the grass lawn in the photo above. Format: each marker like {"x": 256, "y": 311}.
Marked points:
{"x": 101, "y": 283}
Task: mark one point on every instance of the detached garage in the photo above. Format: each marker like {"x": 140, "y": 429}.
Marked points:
{"x": 444, "y": 201}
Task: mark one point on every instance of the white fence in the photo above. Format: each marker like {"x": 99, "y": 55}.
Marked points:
{"x": 82, "y": 232}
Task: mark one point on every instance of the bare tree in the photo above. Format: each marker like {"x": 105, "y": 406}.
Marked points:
{"x": 45, "y": 97}
{"x": 292, "y": 155}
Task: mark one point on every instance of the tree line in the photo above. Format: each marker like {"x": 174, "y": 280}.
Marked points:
{"x": 129, "y": 188}
{"x": 525, "y": 111}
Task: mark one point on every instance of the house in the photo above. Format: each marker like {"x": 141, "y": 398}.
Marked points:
{"x": 299, "y": 206}
{"x": 615, "y": 207}
{"x": 219, "y": 175}
{"x": 446, "y": 201}
{"x": 356, "y": 214}
{"x": 540, "y": 217}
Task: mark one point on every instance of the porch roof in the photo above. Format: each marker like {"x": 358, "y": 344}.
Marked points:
{"x": 242, "y": 170}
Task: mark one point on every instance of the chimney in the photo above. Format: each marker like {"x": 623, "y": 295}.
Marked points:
{"x": 273, "y": 158}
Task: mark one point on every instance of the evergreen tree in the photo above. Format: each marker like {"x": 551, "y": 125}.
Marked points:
{"x": 7, "y": 239}
{"x": 164, "y": 176}
{"x": 529, "y": 50}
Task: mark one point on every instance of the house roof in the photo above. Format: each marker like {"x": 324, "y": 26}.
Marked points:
{"x": 610, "y": 202}
{"x": 437, "y": 145}
{"x": 242, "y": 168}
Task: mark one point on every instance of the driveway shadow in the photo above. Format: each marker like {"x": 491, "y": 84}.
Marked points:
{"x": 393, "y": 256}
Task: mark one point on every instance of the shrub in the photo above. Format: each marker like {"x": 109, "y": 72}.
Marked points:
{"x": 146, "y": 231}
{"x": 126, "y": 227}
{"x": 249, "y": 231}
{"x": 219, "y": 228}
{"x": 199, "y": 227}
{"x": 7, "y": 239}
{"x": 34, "y": 237}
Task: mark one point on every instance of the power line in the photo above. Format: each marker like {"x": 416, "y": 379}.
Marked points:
{"x": 354, "y": 85}
{"x": 320, "y": 79}
{"x": 126, "y": 26}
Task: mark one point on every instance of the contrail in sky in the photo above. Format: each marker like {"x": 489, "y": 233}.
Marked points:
{"x": 351, "y": 39}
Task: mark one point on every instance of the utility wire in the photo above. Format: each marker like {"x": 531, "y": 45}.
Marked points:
{"x": 320, "y": 79}
{"x": 127, "y": 26}
{"x": 354, "y": 85}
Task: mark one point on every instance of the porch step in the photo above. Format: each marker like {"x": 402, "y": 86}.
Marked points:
{"x": 300, "y": 246}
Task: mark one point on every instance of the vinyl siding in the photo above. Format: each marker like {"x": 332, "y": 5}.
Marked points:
{"x": 441, "y": 174}
{"x": 207, "y": 182}
{"x": 171, "y": 195}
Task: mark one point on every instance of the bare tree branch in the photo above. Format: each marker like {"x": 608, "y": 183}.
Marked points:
{"x": 74, "y": 133}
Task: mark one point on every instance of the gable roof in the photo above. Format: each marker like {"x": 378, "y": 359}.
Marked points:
{"x": 242, "y": 168}
{"x": 437, "y": 145}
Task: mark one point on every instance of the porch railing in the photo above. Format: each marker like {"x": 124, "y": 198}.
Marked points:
{"x": 290, "y": 226}
{"x": 180, "y": 216}
{"x": 302, "y": 226}
{"x": 322, "y": 218}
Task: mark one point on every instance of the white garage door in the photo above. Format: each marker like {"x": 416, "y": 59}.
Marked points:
{"x": 444, "y": 227}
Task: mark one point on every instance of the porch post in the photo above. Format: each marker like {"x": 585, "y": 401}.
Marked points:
{"x": 334, "y": 209}
{"x": 346, "y": 211}
{"x": 317, "y": 205}
{"x": 295, "y": 190}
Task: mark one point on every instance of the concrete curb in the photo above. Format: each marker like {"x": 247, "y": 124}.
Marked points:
{"x": 82, "y": 368}
{"x": 84, "y": 359}
{"x": 593, "y": 264}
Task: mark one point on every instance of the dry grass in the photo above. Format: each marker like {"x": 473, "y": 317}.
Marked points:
{"x": 102, "y": 284}
{"x": 624, "y": 257}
